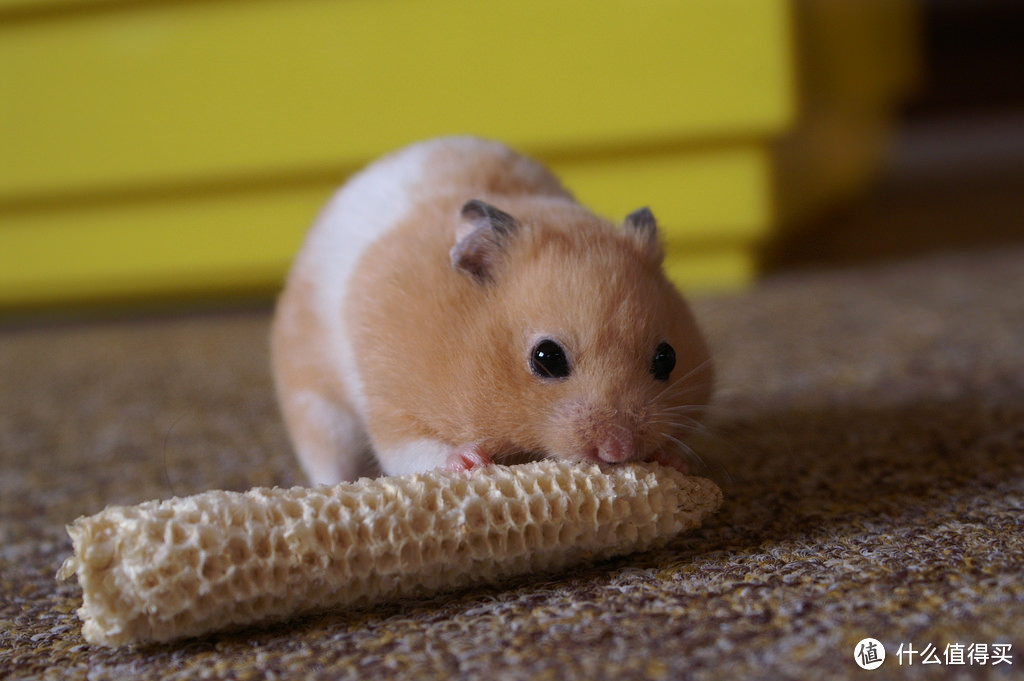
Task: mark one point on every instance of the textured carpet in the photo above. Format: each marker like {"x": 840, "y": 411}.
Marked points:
{"x": 868, "y": 436}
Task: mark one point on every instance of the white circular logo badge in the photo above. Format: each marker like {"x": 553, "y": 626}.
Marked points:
{"x": 869, "y": 653}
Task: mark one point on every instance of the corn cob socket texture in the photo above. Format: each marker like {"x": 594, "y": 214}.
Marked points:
{"x": 182, "y": 567}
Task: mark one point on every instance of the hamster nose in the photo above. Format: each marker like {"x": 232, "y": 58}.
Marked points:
{"x": 616, "y": 448}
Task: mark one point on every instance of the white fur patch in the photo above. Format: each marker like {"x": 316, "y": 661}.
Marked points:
{"x": 369, "y": 205}
{"x": 339, "y": 456}
{"x": 416, "y": 456}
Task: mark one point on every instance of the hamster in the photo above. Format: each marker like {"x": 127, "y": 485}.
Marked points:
{"x": 454, "y": 306}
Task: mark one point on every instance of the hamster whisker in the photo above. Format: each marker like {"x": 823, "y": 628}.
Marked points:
{"x": 691, "y": 454}
{"x": 682, "y": 386}
{"x": 689, "y": 374}
{"x": 685, "y": 409}
{"x": 692, "y": 414}
{"x": 670, "y": 415}
{"x": 687, "y": 451}
{"x": 693, "y": 427}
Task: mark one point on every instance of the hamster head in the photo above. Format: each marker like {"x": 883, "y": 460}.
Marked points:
{"x": 594, "y": 355}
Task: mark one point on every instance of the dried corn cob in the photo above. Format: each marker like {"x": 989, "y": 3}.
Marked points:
{"x": 186, "y": 566}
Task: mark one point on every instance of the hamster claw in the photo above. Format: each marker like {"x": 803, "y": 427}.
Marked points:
{"x": 467, "y": 457}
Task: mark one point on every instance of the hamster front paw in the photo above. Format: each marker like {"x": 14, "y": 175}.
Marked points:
{"x": 467, "y": 457}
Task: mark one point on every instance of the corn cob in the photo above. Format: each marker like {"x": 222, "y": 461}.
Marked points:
{"x": 182, "y": 567}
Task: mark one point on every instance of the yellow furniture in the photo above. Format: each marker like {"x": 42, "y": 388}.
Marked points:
{"x": 153, "y": 147}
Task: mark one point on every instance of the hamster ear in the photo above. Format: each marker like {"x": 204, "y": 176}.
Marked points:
{"x": 483, "y": 233}
{"x": 642, "y": 229}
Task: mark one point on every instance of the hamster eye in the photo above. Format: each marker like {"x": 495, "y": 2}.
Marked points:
{"x": 548, "y": 360}
{"x": 664, "y": 362}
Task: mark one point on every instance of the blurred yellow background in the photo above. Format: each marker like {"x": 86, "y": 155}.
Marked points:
{"x": 152, "y": 148}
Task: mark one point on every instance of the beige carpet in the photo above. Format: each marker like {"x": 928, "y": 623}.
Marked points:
{"x": 869, "y": 440}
